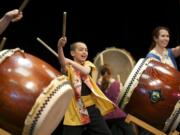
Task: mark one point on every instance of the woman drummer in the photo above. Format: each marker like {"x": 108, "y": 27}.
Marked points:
{"x": 159, "y": 50}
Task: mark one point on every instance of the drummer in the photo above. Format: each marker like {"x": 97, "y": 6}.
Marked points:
{"x": 89, "y": 104}
{"x": 112, "y": 88}
{"x": 159, "y": 50}
{"x": 10, "y": 16}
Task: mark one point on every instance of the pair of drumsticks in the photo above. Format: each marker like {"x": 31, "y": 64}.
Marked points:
{"x": 63, "y": 34}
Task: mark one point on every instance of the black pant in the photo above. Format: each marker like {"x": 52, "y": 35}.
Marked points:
{"x": 178, "y": 128}
{"x": 120, "y": 127}
{"x": 97, "y": 126}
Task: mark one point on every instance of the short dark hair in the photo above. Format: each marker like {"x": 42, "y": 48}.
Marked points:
{"x": 105, "y": 69}
{"x": 73, "y": 45}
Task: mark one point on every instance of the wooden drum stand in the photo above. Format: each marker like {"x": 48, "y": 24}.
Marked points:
{"x": 131, "y": 119}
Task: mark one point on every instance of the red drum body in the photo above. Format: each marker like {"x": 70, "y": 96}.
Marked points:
{"x": 152, "y": 94}
{"x": 33, "y": 94}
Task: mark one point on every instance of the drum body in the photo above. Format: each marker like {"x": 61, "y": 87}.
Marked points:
{"x": 33, "y": 94}
{"x": 152, "y": 94}
{"x": 120, "y": 61}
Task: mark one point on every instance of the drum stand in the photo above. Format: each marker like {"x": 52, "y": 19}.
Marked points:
{"x": 3, "y": 132}
{"x": 131, "y": 119}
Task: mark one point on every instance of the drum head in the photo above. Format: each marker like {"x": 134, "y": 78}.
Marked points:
{"x": 54, "y": 115}
{"x": 49, "y": 108}
{"x": 120, "y": 61}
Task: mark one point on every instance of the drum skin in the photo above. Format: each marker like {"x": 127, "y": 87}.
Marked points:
{"x": 164, "y": 80}
{"x": 22, "y": 78}
{"x": 118, "y": 59}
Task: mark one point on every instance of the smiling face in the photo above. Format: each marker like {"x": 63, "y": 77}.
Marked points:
{"x": 79, "y": 52}
{"x": 162, "y": 39}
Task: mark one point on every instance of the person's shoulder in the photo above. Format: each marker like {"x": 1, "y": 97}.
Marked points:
{"x": 114, "y": 81}
{"x": 89, "y": 63}
{"x": 153, "y": 54}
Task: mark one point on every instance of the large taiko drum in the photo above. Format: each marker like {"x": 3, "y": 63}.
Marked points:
{"x": 33, "y": 95}
{"x": 152, "y": 94}
{"x": 120, "y": 61}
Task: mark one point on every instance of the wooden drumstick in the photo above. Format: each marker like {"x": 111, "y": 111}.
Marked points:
{"x": 64, "y": 24}
{"x": 120, "y": 86}
{"x": 101, "y": 59}
{"x": 47, "y": 47}
{"x": 118, "y": 78}
{"x": 3, "y": 43}
{"x": 23, "y": 5}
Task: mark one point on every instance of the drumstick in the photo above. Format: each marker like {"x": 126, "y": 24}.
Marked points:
{"x": 43, "y": 43}
{"x": 118, "y": 78}
{"x": 101, "y": 59}
{"x": 121, "y": 87}
{"x": 23, "y": 5}
{"x": 3, "y": 43}
{"x": 64, "y": 24}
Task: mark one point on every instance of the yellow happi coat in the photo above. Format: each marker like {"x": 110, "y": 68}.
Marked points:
{"x": 72, "y": 115}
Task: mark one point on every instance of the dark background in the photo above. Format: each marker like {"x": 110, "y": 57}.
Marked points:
{"x": 100, "y": 24}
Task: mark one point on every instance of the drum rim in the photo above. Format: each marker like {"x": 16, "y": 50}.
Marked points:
{"x": 34, "y": 117}
{"x": 125, "y": 52}
{"x": 131, "y": 81}
{"x": 8, "y": 53}
{"x": 174, "y": 119}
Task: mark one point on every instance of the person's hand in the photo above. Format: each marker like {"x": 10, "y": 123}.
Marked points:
{"x": 14, "y": 15}
{"x": 62, "y": 42}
